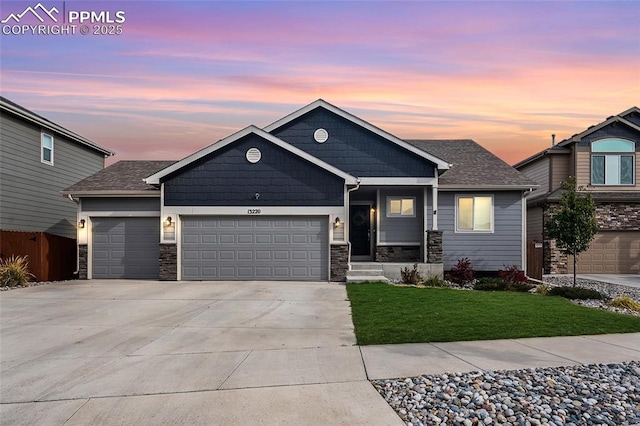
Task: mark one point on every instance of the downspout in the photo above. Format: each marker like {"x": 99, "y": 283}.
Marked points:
{"x": 77, "y": 271}
{"x": 349, "y": 191}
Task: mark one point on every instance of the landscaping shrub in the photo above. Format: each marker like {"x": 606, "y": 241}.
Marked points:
{"x": 512, "y": 274}
{"x": 462, "y": 273}
{"x": 411, "y": 276}
{"x": 14, "y": 271}
{"x": 576, "y": 293}
{"x": 434, "y": 281}
{"x": 543, "y": 289}
{"x": 625, "y": 302}
{"x": 499, "y": 284}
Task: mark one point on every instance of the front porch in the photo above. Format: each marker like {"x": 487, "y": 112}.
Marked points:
{"x": 387, "y": 271}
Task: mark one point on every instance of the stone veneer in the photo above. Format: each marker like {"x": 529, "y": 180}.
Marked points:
{"x": 434, "y": 246}
{"x": 339, "y": 262}
{"x": 83, "y": 264}
{"x": 398, "y": 254}
{"x": 610, "y": 216}
{"x": 168, "y": 262}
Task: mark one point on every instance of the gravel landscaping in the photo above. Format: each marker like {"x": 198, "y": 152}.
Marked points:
{"x": 603, "y": 394}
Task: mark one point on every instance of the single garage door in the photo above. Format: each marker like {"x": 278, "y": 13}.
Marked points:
{"x": 255, "y": 248}
{"x": 126, "y": 247}
{"x": 615, "y": 252}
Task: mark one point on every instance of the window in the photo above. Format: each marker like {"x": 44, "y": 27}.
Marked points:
{"x": 46, "y": 155}
{"x": 401, "y": 206}
{"x": 609, "y": 163}
{"x": 474, "y": 213}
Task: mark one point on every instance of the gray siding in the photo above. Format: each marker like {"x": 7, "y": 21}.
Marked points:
{"x": 352, "y": 148}
{"x": 401, "y": 229}
{"x": 534, "y": 224}
{"x": 118, "y": 204}
{"x": 538, "y": 171}
{"x": 30, "y": 197}
{"x": 226, "y": 178}
{"x": 487, "y": 251}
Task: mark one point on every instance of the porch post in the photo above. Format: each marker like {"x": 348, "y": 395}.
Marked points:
{"x": 434, "y": 202}
{"x": 425, "y": 224}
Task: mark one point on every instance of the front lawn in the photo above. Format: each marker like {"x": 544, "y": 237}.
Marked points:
{"x": 383, "y": 313}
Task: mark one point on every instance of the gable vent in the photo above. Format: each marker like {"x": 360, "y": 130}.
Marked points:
{"x": 321, "y": 135}
{"x": 253, "y": 155}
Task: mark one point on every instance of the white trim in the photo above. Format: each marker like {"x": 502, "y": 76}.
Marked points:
{"x": 390, "y": 198}
{"x": 113, "y": 193}
{"x": 425, "y": 223}
{"x": 434, "y": 202}
{"x": 149, "y": 213}
{"x": 523, "y": 206}
{"x": 440, "y": 164}
{"x": 401, "y": 243}
{"x": 378, "y": 217}
{"x": 451, "y": 188}
{"x": 398, "y": 181}
{"x": 244, "y": 210}
{"x": 473, "y": 231}
{"x": 89, "y": 226}
{"x": 155, "y": 178}
{"x": 42, "y": 147}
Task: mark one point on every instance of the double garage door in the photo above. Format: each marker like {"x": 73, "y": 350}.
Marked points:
{"x": 254, "y": 248}
{"x": 615, "y": 252}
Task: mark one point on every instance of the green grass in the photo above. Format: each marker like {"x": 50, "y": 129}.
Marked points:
{"x": 384, "y": 313}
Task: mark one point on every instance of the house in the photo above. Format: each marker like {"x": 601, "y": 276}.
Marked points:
{"x": 38, "y": 159}
{"x": 317, "y": 195}
{"x": 604, "y": 160}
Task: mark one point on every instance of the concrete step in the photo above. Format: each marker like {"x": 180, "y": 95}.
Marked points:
{"x": 366, "y": 266}
{"x": 366, "y": 272}
{"x": 362, "y": 279}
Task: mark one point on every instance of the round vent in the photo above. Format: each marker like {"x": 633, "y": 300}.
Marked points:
{"x": 253, "y": 155}
{"x": 321, "y": 135}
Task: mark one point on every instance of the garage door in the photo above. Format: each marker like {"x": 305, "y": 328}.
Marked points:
{"x": 611, "y": 253}
{"x": 254, "y": 248}
{"x": 125, "y": 247}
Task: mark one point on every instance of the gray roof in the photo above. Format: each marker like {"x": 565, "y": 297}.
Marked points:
{"x": 11, "y": 107}
{"x": 472, "y": 165}
{"x": 121, "y": 177}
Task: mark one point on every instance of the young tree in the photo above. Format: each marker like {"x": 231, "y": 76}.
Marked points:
{"x": 573, "y": 223}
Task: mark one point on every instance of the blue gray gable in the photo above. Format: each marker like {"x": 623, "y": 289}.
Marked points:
{"x": 615, "y": 129}
{"x": 633, "y": 117}
{"x": 352, "y": 148}
{"x": 226, "y": 178}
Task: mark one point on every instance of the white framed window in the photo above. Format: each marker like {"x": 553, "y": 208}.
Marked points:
{"x": 612, "y": 162}
{"x": 46, "y": 149}
{"x": 401, "y": 206}
{"x": 474, "y": 213}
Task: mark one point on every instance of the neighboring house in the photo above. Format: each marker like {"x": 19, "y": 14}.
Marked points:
{"x": 38, "y": 159}
{"x": 309, "y": 197}
{"x": 604, "y": 160}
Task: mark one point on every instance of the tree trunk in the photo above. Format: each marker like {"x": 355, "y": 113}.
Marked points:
{"x": 575, "y": 268}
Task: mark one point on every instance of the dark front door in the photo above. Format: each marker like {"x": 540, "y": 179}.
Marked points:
{"x": 360, "y": 230}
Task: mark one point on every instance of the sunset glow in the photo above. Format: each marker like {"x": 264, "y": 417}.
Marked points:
{"x": 185, "y": 74}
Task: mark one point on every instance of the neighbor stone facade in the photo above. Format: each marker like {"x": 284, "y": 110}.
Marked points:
{"x": 168, "y": 262}
{"x": 397, "y": 253}
{"x": 618, "y": 216}
{"x": 83, "y": 252}
{"x": 339, "y": 262}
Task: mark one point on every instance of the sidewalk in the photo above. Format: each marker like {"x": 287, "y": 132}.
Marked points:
{"x": 414, "y": 359}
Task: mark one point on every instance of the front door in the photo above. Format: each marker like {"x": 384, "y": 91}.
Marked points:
{"x": 360, "y": 230}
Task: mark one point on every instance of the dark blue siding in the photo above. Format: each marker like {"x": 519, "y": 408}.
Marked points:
{"x": 613, "y": 130}
{"x": 352, "y": 148}
{"x": 226, "y": 178}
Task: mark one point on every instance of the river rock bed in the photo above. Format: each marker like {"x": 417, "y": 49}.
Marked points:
{"x": 602, "y": 394}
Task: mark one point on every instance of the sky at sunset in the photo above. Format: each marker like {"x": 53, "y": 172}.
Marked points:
{"x": 184, "y": 74}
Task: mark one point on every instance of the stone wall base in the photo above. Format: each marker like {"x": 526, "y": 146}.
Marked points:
{"x": 83, "y": 261}
{"x": 339, "y": 262}
{"x": 168, "y": 262}
{"x": 434, "y": 246}
{"x": 398, "y": 254}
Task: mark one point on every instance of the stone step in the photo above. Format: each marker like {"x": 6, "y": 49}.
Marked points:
{"x": 365, "y": 273}
{"x": 368, "y": 266}
{"x": 362, "y": 279}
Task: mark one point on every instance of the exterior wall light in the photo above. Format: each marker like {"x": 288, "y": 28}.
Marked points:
{"x": 167, "y": 222}
{"x": 337, "y": 222}
{"x": 81, "y": 223}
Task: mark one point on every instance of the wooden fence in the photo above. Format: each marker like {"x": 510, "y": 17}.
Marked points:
{"x": 534, "y": 259}
{"x": 51, "y": 257}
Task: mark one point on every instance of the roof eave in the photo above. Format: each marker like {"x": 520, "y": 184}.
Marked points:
{"x": 440, "y": 164}
{"x": 518, "y": 187}
{"x": 54, "y": 127}
{"x": 112, "y": 193}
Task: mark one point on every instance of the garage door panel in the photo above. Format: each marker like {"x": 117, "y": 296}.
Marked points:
{"x": 614, "y": 252}
{"x": 268, "y": 248}
{"x": 125, "y": 248}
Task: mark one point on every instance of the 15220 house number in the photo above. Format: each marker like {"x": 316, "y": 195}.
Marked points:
{"x": 254, "y": 211}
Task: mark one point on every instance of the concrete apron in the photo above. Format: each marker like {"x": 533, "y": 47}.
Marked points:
{"x": 141, "y": 352}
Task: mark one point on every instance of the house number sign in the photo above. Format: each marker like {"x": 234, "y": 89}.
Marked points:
{"x": 254, "y": 211}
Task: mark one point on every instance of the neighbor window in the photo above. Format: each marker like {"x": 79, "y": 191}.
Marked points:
{"x": 612, "y": 162}
{"x": 401, "y": 206}
{"x": 47, "y": 149}
{"x": 474, "y": 213}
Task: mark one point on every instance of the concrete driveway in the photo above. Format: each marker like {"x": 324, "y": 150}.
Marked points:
{"x": 141, "y": 352}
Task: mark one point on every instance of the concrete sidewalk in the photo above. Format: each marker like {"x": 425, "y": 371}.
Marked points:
{"x": 407, "y": 360}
